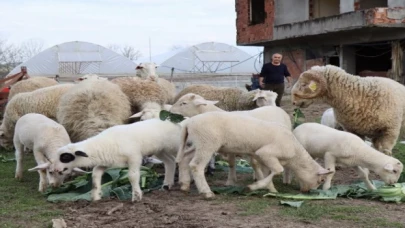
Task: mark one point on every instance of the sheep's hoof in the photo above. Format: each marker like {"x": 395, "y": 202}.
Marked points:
{"x": 209, "y": 195}
{"x": 166, "y": 187}
{"x": 185, "y": 188}
{"x": 136, "y": 197}
{"x": 18, "y": 177}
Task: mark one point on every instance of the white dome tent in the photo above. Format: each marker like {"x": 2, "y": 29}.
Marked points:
{"x": 75, "y": 58}
{"x": 211, "y": 57}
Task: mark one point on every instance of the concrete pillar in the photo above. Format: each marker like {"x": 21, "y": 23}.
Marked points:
{"x": 347, "y": 57}
{"x": 395, "y": 3}
{"x": 346, "y": 6}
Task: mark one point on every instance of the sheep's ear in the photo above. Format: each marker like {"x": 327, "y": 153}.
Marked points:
{"x": 136, "y": 115}
{"x": 81, "y": 153}
{"x": 389, "y": 167}
{"x": 138, "y": 67}
{"x": 79, "y": 170}
{"x": 313, "y": 86}
{"x": 66, "y": 157}
{"x": 204, "y": 102}
{"x": 40, "y": 167}
{"x": 323, "y": 171}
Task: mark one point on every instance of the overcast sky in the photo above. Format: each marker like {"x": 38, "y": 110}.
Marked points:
{"x": 166, "y": 22}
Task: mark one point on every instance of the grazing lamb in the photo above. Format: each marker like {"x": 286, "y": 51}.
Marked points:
{"x": 150, "y": 111}
{"x": 230, "y": 99}
{"x": 125, "y": 146}
{"x": 321, "y": 142}
{"x": 370, "y": 106}
{"x": 44, "y": 137}
{"x": 88, "y": 77}
{"x": 30, "y": 84}
{"x": 272, "y": 144}
{"x": 140, "y": 92}
{"x": 91, "y": 107}
{"x": 43, "y": 101}
{"x": 191, "y": 105}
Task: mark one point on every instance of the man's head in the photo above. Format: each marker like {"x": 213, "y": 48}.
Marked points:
{"x": 276, "y": 58}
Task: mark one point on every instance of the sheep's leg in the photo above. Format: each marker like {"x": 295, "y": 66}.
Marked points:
{"x": 287, "y": 176}
{"x": 170, "y": 169}
{"x": 98, "y": 172}
{"x": 232, "y": 170}
{"x": 330, "y": 162}
{"x": 268, "y": 156}
{"x": 386, "y": 142}
{"x": 184, "y": 172}
{"x": 134, "y": 176}
{"x": 197, "y": 165}
{"x": 19, "y": 153}
{"x": 211, "y": 166}
{"x": 363, "y": 172}
{"x": 258, "y": 172}
{"x": 43, "y": 182}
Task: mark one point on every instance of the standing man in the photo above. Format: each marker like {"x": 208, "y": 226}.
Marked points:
{"x": 272, "y": 76}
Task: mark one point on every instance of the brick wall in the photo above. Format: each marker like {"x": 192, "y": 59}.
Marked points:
{"x": 246, "y": 33}
{"x": 295, "y": 61}
{"x": 381, "y": 16}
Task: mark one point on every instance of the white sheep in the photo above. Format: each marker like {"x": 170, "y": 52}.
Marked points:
{"x": 347, "y": 149}
{"x": 272, "y": 144}
{"x": 230, "y": 99}
{"x": 88, "y": 77}
{"x": 30, "y": 84}
{"x": 125, "y": 146}
{"x": 44, "y": 137}
{"x": 191, "y": 105}
{"x": 92, "y": 106}
{"x": 368, "y": 107}
{"x": 43, "y": 101}
{"x": 147, "y": 70}
{"x": 150, "y": 110}
{"x": 328, "y": 118}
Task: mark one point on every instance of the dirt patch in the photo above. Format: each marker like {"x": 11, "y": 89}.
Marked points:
{"x": 177, "y": 209}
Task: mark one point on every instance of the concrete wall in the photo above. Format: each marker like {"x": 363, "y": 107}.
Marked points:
{"x": 368, "y": 4}
{"x": 348, "y": 59}
{"x": 396, "y": 3}
{"x": 346, "y": 6}
{"x": 290, "y": 11}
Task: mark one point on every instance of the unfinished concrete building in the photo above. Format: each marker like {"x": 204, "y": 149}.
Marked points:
{"x": 358, "y": 35}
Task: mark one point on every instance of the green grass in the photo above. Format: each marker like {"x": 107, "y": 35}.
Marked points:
{"x": 21, "y": 203}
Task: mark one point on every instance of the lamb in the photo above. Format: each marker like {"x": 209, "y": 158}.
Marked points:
{"x": 92, "y": 106}
{"x": 351, "y": 151}
{"x": 141, "y": 91}
{"x": 370, "y": 106}
{"x": 43, "y": 101}
{"x": 191, "y": 105}
{"x": 150, "y": 111}
{"x": 43, "y": 136}
{"x": 88, "y": 77}
{"x": 125, "y": 146}
{"x": 230, "y": 99}
{"x": 272, "y": 144}
{"x": 30, "y": 84}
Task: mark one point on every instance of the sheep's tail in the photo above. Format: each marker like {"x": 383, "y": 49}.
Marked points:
{"x": 183, "y": 142}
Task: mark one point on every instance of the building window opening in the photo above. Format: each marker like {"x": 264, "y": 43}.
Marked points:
{"x": 373, "y": 59}
{"x": 257, "y": 12}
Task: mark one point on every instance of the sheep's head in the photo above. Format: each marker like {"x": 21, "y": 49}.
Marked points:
{"x": 55, "y": 177}
{"x": 190, "y": 104}
{"x": 312, "y": 180}
{"x": 69, "y": 156}
{"x": 6, "y": 139}
{"x": 391, "y": 171}
{"x": 147, "y": 70}
{"x": 311, "y": 85}
{"x": 265, "y": 98}
{"x": 89, "y": 77}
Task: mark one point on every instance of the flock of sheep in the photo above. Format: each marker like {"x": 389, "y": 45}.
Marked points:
{"x": 92, "y": 123}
